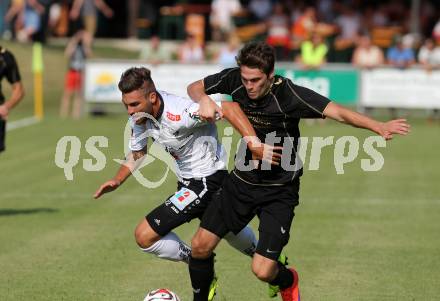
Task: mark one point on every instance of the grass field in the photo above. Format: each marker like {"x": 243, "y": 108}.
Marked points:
{"x": 356, "y": 236}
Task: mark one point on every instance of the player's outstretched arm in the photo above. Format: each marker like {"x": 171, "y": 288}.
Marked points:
{"x": 131, "y": 163}
{"x": 208, "y": 108}
{"x": 236, "y": 117}
{"x": 384, "y": 129}
{"x": 16, "y": 96}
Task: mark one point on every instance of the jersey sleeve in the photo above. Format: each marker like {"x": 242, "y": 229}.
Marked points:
{"x": 191, "y": 117}
{"x": 307, "y": 103}
{"x": 139, "y": 137}
{"x": 222, "y": 82}
{"x": 12, "y": 72}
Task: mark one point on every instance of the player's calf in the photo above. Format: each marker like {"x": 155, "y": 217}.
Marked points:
{"x": 264, "y": 268}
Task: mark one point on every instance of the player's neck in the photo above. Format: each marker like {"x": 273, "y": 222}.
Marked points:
{"x": 156, "y": 110}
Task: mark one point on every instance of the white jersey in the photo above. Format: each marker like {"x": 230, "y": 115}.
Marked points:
{"x": 193, "y": 144}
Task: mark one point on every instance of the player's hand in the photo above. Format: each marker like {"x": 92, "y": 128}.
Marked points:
{"x": 265, "y": 152}
{"x": 209, "y": 110}
{"x": 397, "y": 126}
{"x": 108, "y": 186}
{"x": 4, "y": 111}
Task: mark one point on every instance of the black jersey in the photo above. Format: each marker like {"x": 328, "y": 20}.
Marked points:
{"x": 277, "y": 113}
{"x": 8, "y": 69}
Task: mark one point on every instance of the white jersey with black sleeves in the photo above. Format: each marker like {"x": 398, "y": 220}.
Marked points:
{"x": 193, "y": 143}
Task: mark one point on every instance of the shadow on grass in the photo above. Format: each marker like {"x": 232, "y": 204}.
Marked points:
{"x": 8, "y": 212}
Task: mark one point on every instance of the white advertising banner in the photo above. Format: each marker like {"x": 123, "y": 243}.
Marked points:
{"x": 102, "y": 77}
{"x": 411, "y": 88}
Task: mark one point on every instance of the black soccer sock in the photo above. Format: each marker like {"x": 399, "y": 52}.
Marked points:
{"x": 284, "y": 278}
{"x": 202, "y": 274}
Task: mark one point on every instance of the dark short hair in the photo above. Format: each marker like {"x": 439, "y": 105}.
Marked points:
{"x": 257, "y": 55}
{"x": 136, "y": 78}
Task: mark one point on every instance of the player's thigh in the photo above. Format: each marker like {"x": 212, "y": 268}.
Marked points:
{"x": 276, "y": 219}
{"x": 213, "y": 219}
{"x": 204, "y": 242}
{"x": 231, "y": 208}
{"x": 166, "y": 217}
{"x": 189, "y": 202}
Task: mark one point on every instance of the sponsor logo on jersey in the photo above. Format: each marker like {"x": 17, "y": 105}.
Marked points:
{"x": 183, "y": 198}
{"x": 182, "y": 195}
{"x": 173, "y": 117}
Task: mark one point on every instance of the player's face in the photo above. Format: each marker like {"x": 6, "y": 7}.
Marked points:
{"x": 137, "y": 102}
{"x": 255, "y": 81}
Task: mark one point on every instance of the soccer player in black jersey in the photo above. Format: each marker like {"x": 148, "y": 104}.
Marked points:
{"x": 274, "y": 106}
{"x": 8, "y": 69}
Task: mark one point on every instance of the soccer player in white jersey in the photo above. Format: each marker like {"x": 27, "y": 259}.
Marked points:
{"x": 172, "y": 122}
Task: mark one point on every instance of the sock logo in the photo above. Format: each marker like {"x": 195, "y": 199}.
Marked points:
{"x": 196, "y": 291}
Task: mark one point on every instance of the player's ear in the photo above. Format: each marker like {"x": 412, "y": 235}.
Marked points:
{"x": 153, "y": 97}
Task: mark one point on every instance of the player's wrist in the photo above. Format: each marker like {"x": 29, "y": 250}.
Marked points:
{"x": 118, "y": 180}
{"x": 252, "y": 142}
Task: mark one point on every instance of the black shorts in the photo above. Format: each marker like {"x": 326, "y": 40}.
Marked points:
{"x": 189, "y": 202}
{"x": 2, "y": 134}
{"x": 237, "y": 204}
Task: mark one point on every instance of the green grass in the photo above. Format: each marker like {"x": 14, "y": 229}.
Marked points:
{"x": 356, "y": 236}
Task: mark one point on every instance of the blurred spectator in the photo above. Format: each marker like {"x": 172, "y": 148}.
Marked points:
{"x": 349, "y": 23}
{"x": 326, "y": 12}
{"x": 41, "y": 34}
{"x": 398, "y": 14}
{"x": 302, "y": 28}
{"x": 4, "y": 5}
{"x": 429, "y": 55}
{"x": 77, "y": 50}
{"x": 428, "y": 16}
{"x": 260, "y": 9}
{"x": 367, "y": 55}
{"x": 32, "y": 20}
{"x": 380, "y": 16}
{"x": 400, "y": 56}
{"x": 436, "y": 32}
{"x": 226, "y": 56}
{"x": 313, "y": 52}
{"x": 154, "y": 54}
{"x": 278, "y": 31}
{"x": 191, "y": 51}
{"x": 88, "y": 11}
{"x": 375, "y": 16}
{"x": 221, "y": 17}
{"x": 59, "y": 20}
{"x": 14, "y": 17}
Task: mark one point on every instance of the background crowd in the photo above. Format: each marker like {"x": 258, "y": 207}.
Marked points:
{"x": 366, "y": 33}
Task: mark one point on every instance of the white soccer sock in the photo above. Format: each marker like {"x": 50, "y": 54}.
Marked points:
{"x": 245, "y": 241}
{"x": 170, "y": 247}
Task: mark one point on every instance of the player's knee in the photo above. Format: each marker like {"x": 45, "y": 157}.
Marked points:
{"x": 200, "y": 248}
{"x": 144, "y": 238}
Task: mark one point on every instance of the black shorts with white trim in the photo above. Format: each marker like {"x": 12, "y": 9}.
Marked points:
{"x": 237, "y": 204}
{"x": 189, "y": 201}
